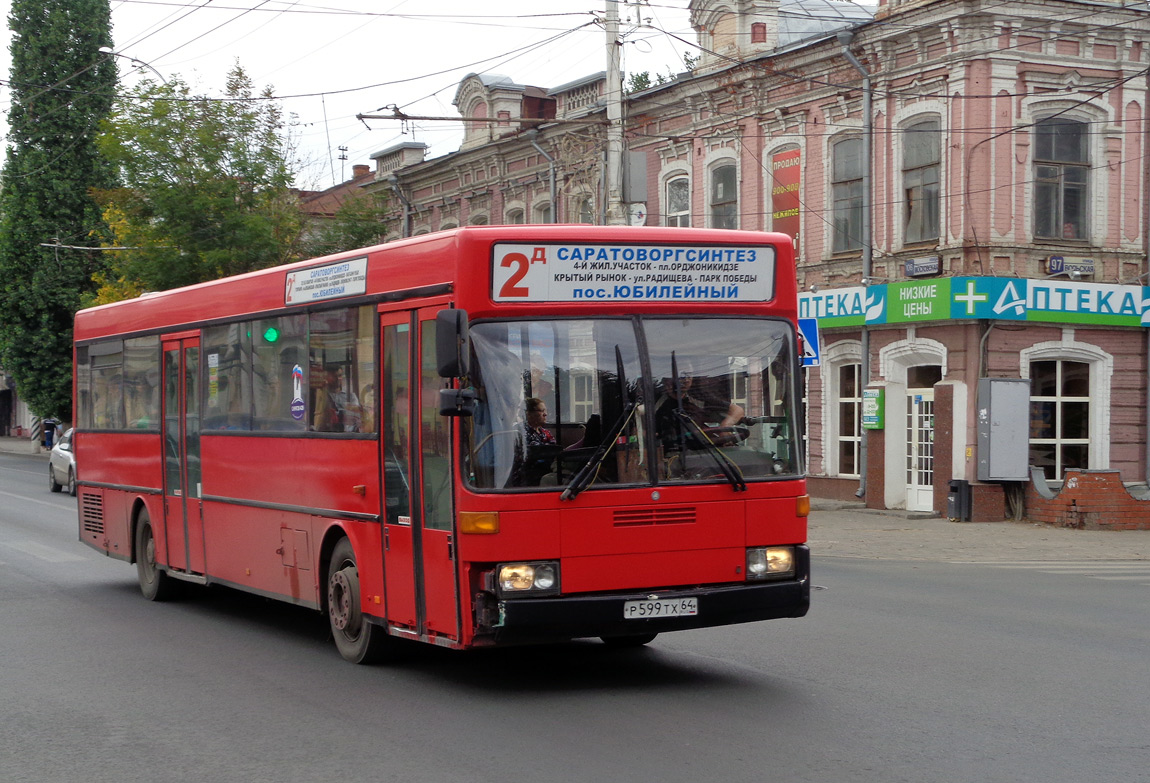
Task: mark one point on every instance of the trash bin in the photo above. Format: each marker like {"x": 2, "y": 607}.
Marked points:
{"x": 958, "y": 500}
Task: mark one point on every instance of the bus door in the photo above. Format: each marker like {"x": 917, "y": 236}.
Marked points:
{"x": 419, "y": 542}
{"x": 183, "y": 521}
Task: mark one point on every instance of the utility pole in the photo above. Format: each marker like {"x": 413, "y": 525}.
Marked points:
{"x": 616, "y": 215}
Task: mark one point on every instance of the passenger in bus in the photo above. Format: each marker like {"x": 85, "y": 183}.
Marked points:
{"x": 541, "y": 444}
{"x": 337, "y": 409}
{"x": 537, "y": 432}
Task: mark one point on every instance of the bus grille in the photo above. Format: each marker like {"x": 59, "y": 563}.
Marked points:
{"x": 92, "y": 512}
{"x": 640, "y": 517}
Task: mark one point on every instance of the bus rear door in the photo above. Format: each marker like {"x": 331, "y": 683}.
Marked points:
{"x": 183, "y": 520}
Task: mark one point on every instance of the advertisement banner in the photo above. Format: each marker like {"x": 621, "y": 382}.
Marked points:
{"x": 784, "y": 183}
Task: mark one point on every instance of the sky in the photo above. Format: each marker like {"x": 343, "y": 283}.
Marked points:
{"x": 331, "y": 60}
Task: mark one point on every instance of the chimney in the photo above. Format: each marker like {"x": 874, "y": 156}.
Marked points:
{"x": 360, "y": 170}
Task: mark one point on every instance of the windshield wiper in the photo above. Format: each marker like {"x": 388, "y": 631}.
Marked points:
{"x": 588, "y": 472}
{"x": 730, "y": 469}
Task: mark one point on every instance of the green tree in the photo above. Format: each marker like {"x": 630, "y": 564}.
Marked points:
{"x": 61, "y": 87}
{"x": 206, "y": 186}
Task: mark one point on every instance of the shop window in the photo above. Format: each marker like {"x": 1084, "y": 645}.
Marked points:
{"x": 677, "y": 210}
{"x": 1059, "y": 416}
{"x": 921, "y": 164}
{"x": 1061, "y": 168}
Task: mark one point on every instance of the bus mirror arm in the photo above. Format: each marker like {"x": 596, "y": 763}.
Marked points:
{"x": 457, "y": 402}
{"x": 452, "y": 343}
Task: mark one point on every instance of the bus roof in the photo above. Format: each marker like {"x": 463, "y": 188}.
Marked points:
{"x": 430, "y": 263}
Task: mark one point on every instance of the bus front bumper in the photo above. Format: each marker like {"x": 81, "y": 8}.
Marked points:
{"x": 607, "y": 615}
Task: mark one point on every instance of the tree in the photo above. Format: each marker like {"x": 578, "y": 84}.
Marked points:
{"x": 206, "y": 186}
{"x": 61, "y": 87}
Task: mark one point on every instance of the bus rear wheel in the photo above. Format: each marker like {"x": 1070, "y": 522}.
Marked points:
{"x": 154, "y": 583}
{"x": 358, "y": 640}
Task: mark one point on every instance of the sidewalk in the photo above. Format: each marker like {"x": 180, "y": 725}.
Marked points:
{"x": 21, "y": 446}
{"x": 844, "y": 529}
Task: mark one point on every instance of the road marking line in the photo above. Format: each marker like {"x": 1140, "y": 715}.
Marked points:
{"x": 56, "y": 506}
{"x": 43, "y": 551}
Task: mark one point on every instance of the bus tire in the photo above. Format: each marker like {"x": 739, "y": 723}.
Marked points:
{"x": 624, "y": 642}
{"x": 358, "y": 640}
{"x": 154, "y": 583}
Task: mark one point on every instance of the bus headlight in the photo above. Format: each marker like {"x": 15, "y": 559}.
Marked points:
{"x": 771, "y": 562}
{"x": 534, "y": 578}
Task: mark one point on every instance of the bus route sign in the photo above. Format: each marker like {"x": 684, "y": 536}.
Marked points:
{"x": 635, "y": 273}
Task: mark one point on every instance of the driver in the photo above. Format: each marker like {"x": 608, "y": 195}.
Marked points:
{"x": 704, "y": 411}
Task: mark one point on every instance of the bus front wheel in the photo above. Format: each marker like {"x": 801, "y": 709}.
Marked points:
{"x": 358, "y": 640}
{"x": 154, "y": 583}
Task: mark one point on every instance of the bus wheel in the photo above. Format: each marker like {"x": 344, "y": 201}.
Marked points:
{"x": 154, "y": 583}
{"x": 623, "y": 642}
{"x": 358, "y": 640}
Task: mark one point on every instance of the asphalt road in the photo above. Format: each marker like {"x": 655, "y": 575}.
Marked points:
{"x": 905, "y": 670}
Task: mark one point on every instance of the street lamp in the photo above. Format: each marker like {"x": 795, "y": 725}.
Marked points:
{"x": 110, "y": 52}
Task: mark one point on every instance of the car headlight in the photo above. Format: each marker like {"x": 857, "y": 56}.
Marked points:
{"x": 771, "y": 562}
{"x": 534, "y": 578}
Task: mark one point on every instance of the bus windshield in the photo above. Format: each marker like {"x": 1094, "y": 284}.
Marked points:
{"x": 569, "y": 404}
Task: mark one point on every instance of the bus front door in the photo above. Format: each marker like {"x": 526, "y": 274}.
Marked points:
{"x": 183, "y": 521}
{"x": 419, "y": 549}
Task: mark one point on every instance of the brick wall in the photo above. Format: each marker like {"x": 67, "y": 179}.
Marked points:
{"x": 1088, "y": 500}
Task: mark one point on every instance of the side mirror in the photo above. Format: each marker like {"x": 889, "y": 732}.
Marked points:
{"x": 452, "y": 343}
{"x": 456, "y": 402}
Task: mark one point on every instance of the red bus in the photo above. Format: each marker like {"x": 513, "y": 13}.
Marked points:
{"x": 485, "y": 436}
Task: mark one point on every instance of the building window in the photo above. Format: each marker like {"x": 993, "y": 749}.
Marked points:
{"x": 479, "y": 220}
{"x": 920, "y": 180}
{"x": 543, "y": 213}
{"x": 585, "y": 211}
{"x": 678, "y": 204}
{"x": 758, "y": 32}
{"x": 515, "y": 217}
{"x": 847, "y": 192}
{"x": 1059, "y": 416}
{"x": 1061, "y": 165}
{"x": 724, "y": 197}
{"x": 848, "y": 410}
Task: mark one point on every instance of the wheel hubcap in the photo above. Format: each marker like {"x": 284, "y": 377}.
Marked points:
{"x": 342, "y": 589}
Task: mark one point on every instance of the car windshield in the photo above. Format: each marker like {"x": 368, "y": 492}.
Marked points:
{"x": 566, "y": 404}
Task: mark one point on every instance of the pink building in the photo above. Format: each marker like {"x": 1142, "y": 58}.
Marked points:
{"x": 1000, "y": 230}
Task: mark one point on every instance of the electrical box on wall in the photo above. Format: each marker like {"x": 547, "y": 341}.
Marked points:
{"x": 1003, "y": 415}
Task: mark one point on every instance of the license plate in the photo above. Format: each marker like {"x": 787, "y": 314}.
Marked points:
{"x": 660, "y": 607}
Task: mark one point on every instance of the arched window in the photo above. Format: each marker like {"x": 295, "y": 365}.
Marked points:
{"x": 847, "y": 193}
{"x": 515, "y": 217}
{"x": 677, "y": 203}
{"x": 478, "y": 220}
{"x": 543, "y": 213}
{"x": 1061, "y": 169}
{"x": 585, "y": 210}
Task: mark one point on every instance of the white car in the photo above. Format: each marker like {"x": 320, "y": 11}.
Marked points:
{"x": 62, "y": 466}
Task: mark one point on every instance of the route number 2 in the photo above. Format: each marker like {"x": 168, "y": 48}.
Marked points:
{"x": 512, "y": 288}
